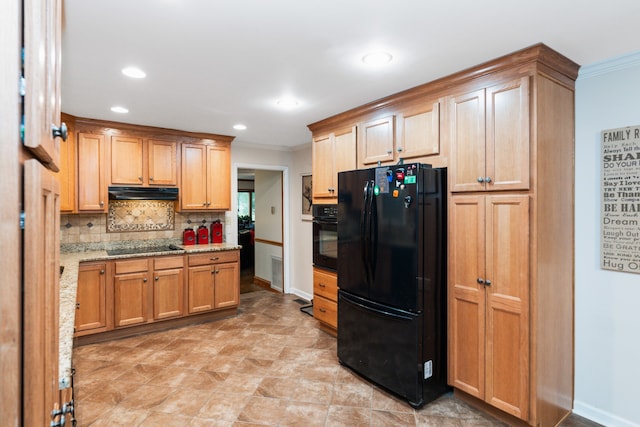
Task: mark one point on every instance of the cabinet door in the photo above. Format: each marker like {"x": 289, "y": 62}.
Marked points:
{"x": 67, "y": 174}
{"x": 507, "y": 151}
{"x": 323, "y": 181}
{"x": 218, "y": 178}
{"x": 376, "y": 141}
{"x": 344, "y": 154}
{"x": 91, "y": 173}
{"x": 227, "y": 285}
{"x": 130, "y": 299}
{"x": 41, "y": 289}
{"x": 419, "y": 131}
{"x": 162, "y": 158}
{"x": 507, "y": 303}
{"x": 126, "y": 161}
{"x": 193, "y": 186}
{"x": 467, "y": 300}
{"x": 467, "y": 141}
{"x": 168, "y": 293}
{"x": 200, "y": 296}
{"x": 91, "y": 298}
{"x": 42, "y": 39}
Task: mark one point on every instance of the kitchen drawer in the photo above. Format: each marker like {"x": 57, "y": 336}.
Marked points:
{"x": 167, "y": 262}
{"x": 326, "y": 311}
{"x": 131, "y": 266}
{"x": 214, "y": 257}
{"x": 325, "y": 284}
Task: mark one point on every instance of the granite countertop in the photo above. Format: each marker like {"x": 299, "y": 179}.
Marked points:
{"x": 70, "y": 258}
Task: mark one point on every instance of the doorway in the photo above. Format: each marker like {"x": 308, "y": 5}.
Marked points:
{"x": 260, "y": 203}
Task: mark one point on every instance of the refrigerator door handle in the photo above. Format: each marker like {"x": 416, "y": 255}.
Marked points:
{"x": 363, "y": 231}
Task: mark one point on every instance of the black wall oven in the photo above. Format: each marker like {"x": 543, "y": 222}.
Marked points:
{"x": 325, "y": 236}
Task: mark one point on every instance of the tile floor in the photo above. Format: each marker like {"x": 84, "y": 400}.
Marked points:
{"x": 269, "y": 366}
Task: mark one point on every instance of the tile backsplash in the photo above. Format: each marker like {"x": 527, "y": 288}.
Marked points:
{"x": 93, "y": 228}
{"x": 143, "y": 215}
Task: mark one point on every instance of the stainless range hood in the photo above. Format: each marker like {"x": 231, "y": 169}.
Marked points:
{"x": 142, "y": 193}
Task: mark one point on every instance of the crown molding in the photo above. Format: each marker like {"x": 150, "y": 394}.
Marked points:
{"x": 617, "y": 63}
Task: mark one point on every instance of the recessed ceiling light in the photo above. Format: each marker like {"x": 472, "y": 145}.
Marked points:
{"x": 287, "y": 103}
{"x": 239, "y": 126}
{"x": 134, "y": 72}
{"x": 377, "y": 58}
{"x": 120, "y": 110}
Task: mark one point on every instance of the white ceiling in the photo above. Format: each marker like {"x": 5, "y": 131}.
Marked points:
{"x": 213, "y": 63}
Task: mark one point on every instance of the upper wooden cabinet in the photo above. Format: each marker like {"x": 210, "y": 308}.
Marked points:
{"x": 206, "y": 177}
{"x": 418, "y": 131}
{"x": 99, "y": 154}
{"x": 92, "y": 187}
{"x": 138, "y": 161}
{"x": 126, "y": 160}
{"x": 376, "y": 141}
{"x": 332, "y": 153}
{"x": 489, "y": 138}
{"x": 67, "y": 174}
{"x": 162, "y": 163}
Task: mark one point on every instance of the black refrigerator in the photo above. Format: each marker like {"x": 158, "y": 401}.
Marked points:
{"x": 392, "y": 278}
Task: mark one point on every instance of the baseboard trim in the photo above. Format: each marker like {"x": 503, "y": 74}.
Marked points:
{"x": 264, "y": 284}
{"x": 599, "y": 416}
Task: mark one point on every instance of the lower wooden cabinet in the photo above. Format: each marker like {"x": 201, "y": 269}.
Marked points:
{"x": 115, "y": 295}
{"x": 168, "y": 287}
{"x": 130, "y": 292}
{"x": 214, "y": 281}
{"x": 91, "y": 315}
{"x": 489, "y": 300}
{"x": 325, "y": 299}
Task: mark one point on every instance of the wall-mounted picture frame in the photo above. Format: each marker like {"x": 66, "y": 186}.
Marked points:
{"x": 307, "y": 196}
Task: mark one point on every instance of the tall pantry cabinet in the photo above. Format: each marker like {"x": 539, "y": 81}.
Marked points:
{"x": 511, "y": 238}
{"x": 504, "y": 130}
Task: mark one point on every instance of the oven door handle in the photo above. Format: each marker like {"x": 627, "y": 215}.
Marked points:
{"x": 322, "y": 221}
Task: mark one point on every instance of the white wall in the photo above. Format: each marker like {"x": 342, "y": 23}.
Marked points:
{"x": 301, "y": 232}
{"x": 607, "y": 312}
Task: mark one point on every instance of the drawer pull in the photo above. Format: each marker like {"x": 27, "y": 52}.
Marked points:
{"x": 322, "y": 310}
{"x": 322, "y": 285}
{"x": 214, "y": 259}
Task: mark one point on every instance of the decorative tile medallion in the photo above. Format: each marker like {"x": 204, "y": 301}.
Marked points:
{"x": 140, "y": 215}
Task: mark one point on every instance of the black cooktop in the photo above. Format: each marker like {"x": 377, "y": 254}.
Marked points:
{"x": 142, "y": 250}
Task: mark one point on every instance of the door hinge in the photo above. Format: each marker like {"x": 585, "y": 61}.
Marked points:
{"x": 22, "y": 216}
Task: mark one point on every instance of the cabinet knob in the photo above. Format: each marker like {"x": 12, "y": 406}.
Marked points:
{"x": 61, "y": 131}
{"x": 480, "y": 179}
{"x": 150, "y": 178}
{"x": 389, "y": 152}
{"x": 101, "y": 203}
{"x": 399, "y": 149}
{"x": 140, "y": 178}
{"x": 144, "y": 280}
{"x": 480, "y": 280}
{"x": 157, "y": 278}
{"x": 208, "y": 203}
{"x": 101, "y": 271}
{"x": 487, "y": 282}
{"x": 487, "y": 179}
{"x": 77, "y": 306}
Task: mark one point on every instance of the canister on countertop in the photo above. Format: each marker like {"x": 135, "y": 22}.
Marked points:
{"x": 189, "y": 236}
{"x": 216, "y": 232}
{"x": 203, "y": 235}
